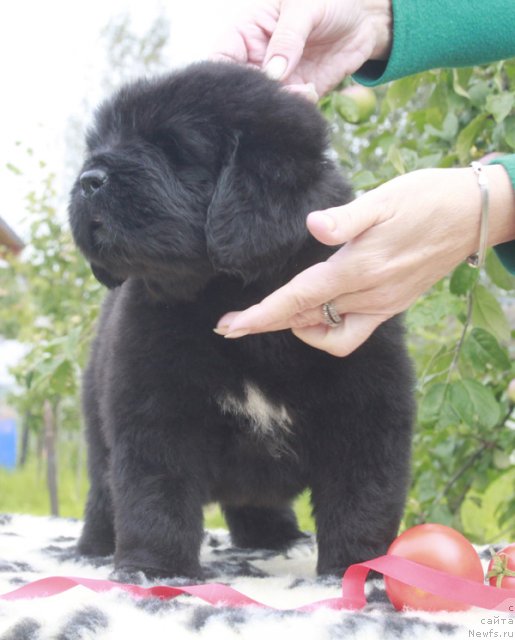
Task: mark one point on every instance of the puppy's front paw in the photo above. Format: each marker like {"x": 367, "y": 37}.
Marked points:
{"x": 131, "y": 573}
{"x": 128, "y": 575}
{"x": 337, "y": 571}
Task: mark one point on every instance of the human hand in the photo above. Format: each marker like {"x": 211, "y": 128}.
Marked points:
{"x": 310, "y": 45}
{"x": 400, "y": 239}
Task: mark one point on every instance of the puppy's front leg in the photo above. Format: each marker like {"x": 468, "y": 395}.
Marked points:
{"x": 158, "y": 512}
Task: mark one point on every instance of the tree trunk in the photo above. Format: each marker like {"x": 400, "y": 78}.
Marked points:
{"x": 40, "y": 452}
{"x": 24, "y": 449}
{"x": 51, "y": 455}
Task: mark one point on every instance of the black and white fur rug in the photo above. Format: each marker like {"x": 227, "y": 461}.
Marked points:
{"x": 35, "y": 547}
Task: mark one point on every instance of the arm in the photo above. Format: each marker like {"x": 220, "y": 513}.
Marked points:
{"x": 431, "y": 34}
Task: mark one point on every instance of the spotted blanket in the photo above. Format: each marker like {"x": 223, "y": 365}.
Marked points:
{"x": 35, "y": 547}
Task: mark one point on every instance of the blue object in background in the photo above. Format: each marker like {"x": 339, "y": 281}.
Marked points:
{"x": 8, "y": 441}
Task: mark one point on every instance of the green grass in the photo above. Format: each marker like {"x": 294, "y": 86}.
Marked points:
{"x": 24, "y": 491}
{"x": 213, "y": 517}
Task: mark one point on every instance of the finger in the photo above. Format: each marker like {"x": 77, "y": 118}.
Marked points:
{"x": 287, "y": 42}
{"x": 345, "y": 338}
{"x": 228, "y": 327}
{"x": 308, "y": 290}
{"x": 231, "y": 48}
{"x": 388, "y": 299}
{"x": 246, "y": 41}
{"x": 223, "y": 324}
{"x": 368, "y": 301}
{"x": 341, "y": 224}
{"x": 307, "y": 91}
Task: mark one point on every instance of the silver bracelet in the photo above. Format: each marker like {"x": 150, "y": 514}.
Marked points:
{"x": 477, "y": 260}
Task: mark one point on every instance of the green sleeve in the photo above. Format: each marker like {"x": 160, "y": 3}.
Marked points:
{"x": 431, "y": 34}
{"x": 506, "y": 251}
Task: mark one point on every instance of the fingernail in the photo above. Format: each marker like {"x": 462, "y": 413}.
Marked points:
{"x": 311, "y": 93}
{"x": 307, "y": 91}
{"x": 276, "y": 67}
{"x": 237, "y": 333}
{"x": 221, "y": 330}
{"x": 327, "y": 220}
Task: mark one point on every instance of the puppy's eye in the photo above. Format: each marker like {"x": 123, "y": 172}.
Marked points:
{"x": 92, "y": 181}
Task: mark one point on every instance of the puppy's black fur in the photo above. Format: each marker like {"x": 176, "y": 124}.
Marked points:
{"x": 191, "y": 203}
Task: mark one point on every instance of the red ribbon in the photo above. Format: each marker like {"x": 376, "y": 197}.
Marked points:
{"x": 353, "y": 588}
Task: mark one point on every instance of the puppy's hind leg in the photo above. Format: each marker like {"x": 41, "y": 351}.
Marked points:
{"x": 262, "y": 527}
{"x": 98, "y": 537}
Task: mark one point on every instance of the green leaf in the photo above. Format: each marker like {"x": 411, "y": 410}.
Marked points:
{"x": 62, "y": 377}
{"x": 501, "y": 459}
{"x": 500, "y": 105}
{"x": 478, "y": 93}
{"x": 426, "y": 486}
{"x": 474, "y": 403}
{"x": 431, "y": 404}
{"x": 463, "y": 279}
{"x": 431, "y": 117}
{"x": 441, "y": 514}
{"x": 428, "y": 162}
{"x": 401, "y": 91}
{"x": 480, "y": 511}
{"x": 509, "y": 131}
{"x": 487, "y": 313}
{"x": 45, "y": 369}
{"x": 468, "y": 137}
{"x": 395, "y": 157}
{"x": 482, "y": 349}
{"x": 497, "y": 273}
{"x": 456, "y": 79}
{"x": 450, "y": 126}
{"x": 13, "y": 169}
{"x": 364, "y": 180}
{"x": 435, "y": 409}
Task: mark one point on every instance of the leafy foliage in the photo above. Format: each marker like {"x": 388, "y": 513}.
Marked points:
{"x": 50, "y": 300}
{"x": 459, "y": 332}
{"x": 51, "y": 307}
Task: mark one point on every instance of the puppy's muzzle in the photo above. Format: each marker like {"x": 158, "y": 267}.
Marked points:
{"x": 92, "y": 181}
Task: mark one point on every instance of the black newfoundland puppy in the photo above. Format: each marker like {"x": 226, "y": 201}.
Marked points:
{"x": 192, "y": 202}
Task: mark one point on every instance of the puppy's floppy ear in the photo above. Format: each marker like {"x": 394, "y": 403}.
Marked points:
{"x": 105, "y": 277}
{"x": 256, "y": 219}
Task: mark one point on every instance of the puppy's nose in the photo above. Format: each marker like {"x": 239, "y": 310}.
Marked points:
{"x": 91, "y": 181}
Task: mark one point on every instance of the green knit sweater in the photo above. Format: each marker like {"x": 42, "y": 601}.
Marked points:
{"x": 430, "y": 34}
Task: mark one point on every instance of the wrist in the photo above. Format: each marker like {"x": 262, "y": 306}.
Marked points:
{"x": 502, "y": 205}
{"x": 501, "y": 208}
{"x": 380, "y": 14}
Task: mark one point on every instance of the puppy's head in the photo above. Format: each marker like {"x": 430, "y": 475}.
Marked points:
{"x": 211, "y": 169}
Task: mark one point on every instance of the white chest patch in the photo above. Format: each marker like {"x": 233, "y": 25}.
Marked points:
{"x": 264, "y": 416}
